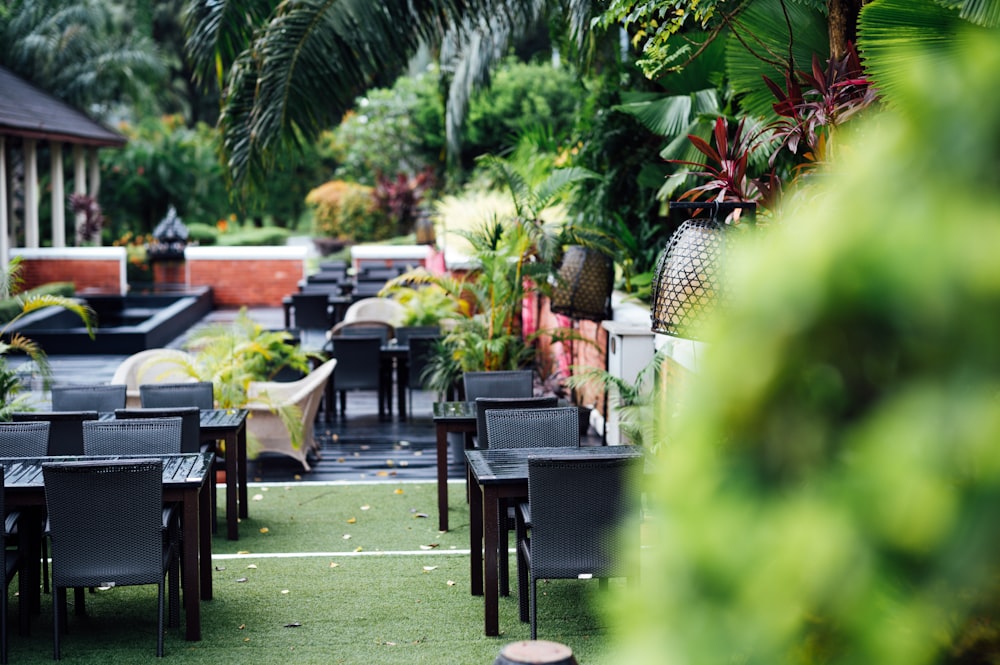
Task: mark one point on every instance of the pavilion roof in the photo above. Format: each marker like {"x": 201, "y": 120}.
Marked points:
{"x": 30, "y": 112}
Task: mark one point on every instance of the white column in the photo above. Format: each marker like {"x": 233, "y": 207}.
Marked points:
{"x": 4, "y": 221}
{"x": 30, "y": 193}
{"x": 79, "y": 184}
{"x": 58, "y": 197}
{"x": 95, "y": 173}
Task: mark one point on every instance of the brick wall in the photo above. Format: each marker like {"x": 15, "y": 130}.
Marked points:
{"x": 252, "y": 276}
{"x": 90, "y": 269}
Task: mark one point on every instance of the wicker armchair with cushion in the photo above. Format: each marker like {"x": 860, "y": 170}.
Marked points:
{"x": 264, "y": 425}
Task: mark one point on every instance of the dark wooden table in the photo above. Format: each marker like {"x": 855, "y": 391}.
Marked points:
{"x": 502, "y": 473}
{"x": 230, "y": 427}
{"x": 458, "y": 417}
{"x": 185, "y": 480}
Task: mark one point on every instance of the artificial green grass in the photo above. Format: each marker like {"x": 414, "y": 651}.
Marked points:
{"x": 294, "y": 589}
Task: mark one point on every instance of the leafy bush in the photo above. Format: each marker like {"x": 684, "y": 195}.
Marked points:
{"x": 203, "y": 234}
{"x": 347, "y": 211}
{"x": 11, "y": 307}
{"x": 268, "y": 235}
{"x": 828, "y": 493}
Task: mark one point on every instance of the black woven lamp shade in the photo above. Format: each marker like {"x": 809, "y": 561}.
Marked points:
{"x": 586, "y": 279}
{"x": 688, "y": 285}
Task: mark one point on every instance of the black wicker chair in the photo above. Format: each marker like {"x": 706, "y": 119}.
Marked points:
{"x": 24, "y": 439}
{"x": 484, "y": 404}
{"x": 532, "y": 423}
{"x": 104, "y": 398}
{"x": 190, "y": 422}
{"x": 105, "y": 528}
{"x": 170, "y": 395}
{"x": 505, "y": 383}
{"x": 583, "y": 524}
{"x": 359, "y": 367}
{"x": 136, "y": 436}
{"x": 11, "y": 560}
{"x": 65, "y": 428}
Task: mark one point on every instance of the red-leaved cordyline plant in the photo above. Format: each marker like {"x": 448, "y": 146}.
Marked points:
{"x": 831, "y": 98}
{"x": 726, "y": 168}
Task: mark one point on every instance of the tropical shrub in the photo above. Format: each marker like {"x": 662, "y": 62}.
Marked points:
{"x": 828, "y": 495}
{"x": 347, "y": 210}
{"x": 252, "y": 236}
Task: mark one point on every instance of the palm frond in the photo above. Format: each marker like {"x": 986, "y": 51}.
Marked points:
{"x": 36, "y": 302}
{"x": 892, "y": 34}
{"x": 985, "y": 13}
{"x": 763, "y": 42}
{"x": 217, "y": 32}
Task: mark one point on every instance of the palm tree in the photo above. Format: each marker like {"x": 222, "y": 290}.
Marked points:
{"x": 83, "y": 52}
{"x": 11, "y": 389}
{"x": 289, "y": 71}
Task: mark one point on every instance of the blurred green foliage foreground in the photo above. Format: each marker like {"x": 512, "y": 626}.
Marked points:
{"x": 831, "y": 491}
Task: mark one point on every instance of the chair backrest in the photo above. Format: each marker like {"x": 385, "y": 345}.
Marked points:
{"x": 419, "y": 355}
{"x": 65, "y": 428}
{"x": 24, "y": 439}
{"x": 164, "y": 395}
{"x": 103, "y": 398}
{"x": 404, "y": 333}
{"x": 386, "y": 310}
{"x": 505, "y": 383}
{"x": 190, "y": 422}
{"x": 364, "y": 328}
{"x": 105, "y": 522}
{"x": 311, "y": 310}
{"x": 138, "y": 436}
{"x": 483, "y": 404}
{"x": 557, "y": 427}
{"x": 579, "y": 512}
{"x": 358, "y": 362}
{"x": 152, "y": 366}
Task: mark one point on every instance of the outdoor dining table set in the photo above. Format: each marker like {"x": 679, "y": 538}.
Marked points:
{"x": 498, "y": 476}
{"x": 187, "y": 483}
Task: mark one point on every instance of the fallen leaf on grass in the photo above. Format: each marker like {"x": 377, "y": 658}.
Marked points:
{"x": 358, "y": 548}
{"x": 352, "y": 520}
{"x": 398, "y": 490}
{"x": 264, "y": 529}
{"x": 450, "y": 582}
{"x": 241, "y": 579}
{"x": 347, "y": 536}
{"x": 220, "y": 568}
{"x": 294, "y": 624}
{"x": 258, "y": 497}
{"x": 365, "y": 507}
{"x": 244, "y": 552}
{"x": 428, "y": 569}
{"x": 334, "y": 564}
{"x": 243, "y": 626}
{"x": 428, "y": 547}
{"x": 252, "y": 566}
{"x": 419, "y": 515}
{"x": 284, "y": 591}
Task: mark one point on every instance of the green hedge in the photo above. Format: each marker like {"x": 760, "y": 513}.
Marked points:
{"x": 11, "y": 307}
{"x": 270, "y": 235}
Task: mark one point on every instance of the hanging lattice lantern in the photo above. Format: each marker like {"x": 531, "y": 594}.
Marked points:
{"x": 586, "y": 279}
{"x": 688, "y": 285}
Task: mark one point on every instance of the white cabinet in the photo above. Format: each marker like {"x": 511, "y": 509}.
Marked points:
{"x": 630, "y": 349}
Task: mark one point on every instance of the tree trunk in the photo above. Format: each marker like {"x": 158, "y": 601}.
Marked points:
{"x": 843, "y": 18}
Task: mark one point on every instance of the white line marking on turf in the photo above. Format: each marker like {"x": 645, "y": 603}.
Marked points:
{"x": 309, "y": 555}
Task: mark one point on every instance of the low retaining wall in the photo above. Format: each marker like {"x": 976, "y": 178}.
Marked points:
{"x": 251, "y": 276}
{"x": 90, "y": 269}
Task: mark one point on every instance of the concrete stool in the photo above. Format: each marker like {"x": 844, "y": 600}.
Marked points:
{"x": 535, "y": 652}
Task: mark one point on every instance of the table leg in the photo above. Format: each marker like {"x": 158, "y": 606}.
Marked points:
{"x": 402, "y": 381}
{"x": 441, "y": 441}
{"x": 190, "y": 565}
{"x": 476, "y": 540}
{"x": 205, "y": 540}
{"x": 491, "y": 536}
{"x": 241, "y": 466}
{"x": 232, "y": 487}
